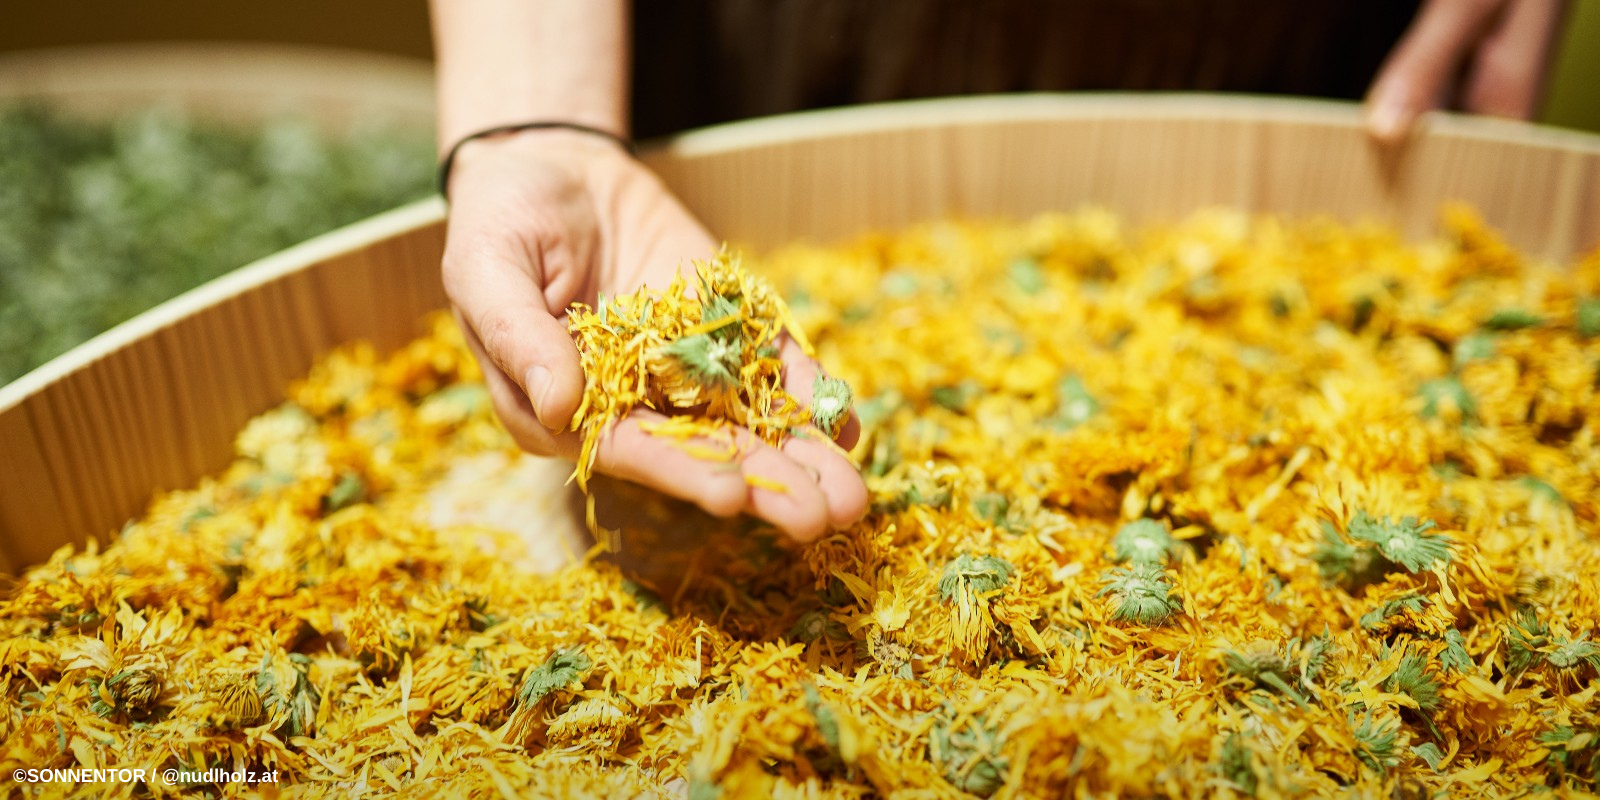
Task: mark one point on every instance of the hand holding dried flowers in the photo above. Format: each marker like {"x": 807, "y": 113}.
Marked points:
{"x": 705, "y": 369}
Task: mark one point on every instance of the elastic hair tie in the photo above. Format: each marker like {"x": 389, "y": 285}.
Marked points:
{"x": 500, "y": 130}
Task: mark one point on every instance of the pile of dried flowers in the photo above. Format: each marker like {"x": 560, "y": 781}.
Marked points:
{"x": 1237, "y": 506}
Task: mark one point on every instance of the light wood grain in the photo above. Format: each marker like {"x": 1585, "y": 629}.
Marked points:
{"x": 829, "y": 174}
{"x": 153, "y": 405}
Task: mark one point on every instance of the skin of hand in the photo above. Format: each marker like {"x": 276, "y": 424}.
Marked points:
{"x": 542, "y": 219}
{"x": 1482, "y": 56}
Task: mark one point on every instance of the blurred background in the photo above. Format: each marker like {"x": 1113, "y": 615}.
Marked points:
{"x": 149, "y": 145}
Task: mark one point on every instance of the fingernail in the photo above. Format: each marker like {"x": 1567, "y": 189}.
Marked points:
{"x": 537, "y": 385}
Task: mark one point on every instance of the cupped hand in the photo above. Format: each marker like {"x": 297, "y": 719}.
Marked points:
{"x": 543, "y": 219}
{"x": 1483, "y": 56}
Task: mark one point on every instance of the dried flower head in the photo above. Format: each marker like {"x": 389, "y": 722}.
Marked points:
{"x": 1143, "y": 541}
{"x": 1261, "y": 664}
{"x": 968, "y": 749}
{"x": 1376, "y": 740}
{"x": 830, "y": 404}
{"x": 972, "y": 577}
{"x": 1414, "y": 679}
{"x": 1141, "y": 593}
{"x": 1406, "y": 542}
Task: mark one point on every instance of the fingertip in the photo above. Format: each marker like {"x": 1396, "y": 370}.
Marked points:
{"x": 785, "y": 493}
{"x": 721, "y": 496}
{"x": 850, "y": 435}
{"x": 843, "y": 490}
{"x": 554, "y": 383}
{"x": 847, "y": 500}
{"x": 1389, "y": 118}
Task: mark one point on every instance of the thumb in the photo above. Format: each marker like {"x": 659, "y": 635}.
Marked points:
{"x": 503, "y": 305}
{"x": 1416, "y": 75}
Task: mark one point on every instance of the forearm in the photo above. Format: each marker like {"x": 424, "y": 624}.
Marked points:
{"x": 509, "y": 61}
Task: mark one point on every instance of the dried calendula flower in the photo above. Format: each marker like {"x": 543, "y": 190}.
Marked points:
{"x": 968, "y": 748}
{"x": 234, "y": 697}
{"x": 288, "y": 695}
{"x": 830, "y": 404}
{"x": 968, "y": 583}
{"x": 1261, "y": 664}
{"x": 562, "y": 670}
{"x": 1375, "y": 739}
{"x": 1413, "y": 679}
{"x": 1141, "y": 593}
{"x": 1377, "y": 545}
{"x": 1143, "y": 541}
{"x": 597, "y": 722}
{"x": 1406, "y": 542}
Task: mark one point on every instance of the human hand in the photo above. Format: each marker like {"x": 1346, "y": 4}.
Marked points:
{"x": 1483, "y": 56}
{"x": 543, "y": 219}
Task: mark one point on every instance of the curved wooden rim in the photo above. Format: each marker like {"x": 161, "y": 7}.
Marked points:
{"x": 991, "y": 109}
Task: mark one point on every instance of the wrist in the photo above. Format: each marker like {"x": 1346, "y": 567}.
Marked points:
{"x": 573, "y": 145}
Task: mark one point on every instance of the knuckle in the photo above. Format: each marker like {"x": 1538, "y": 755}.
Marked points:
{"x": 496, "y": 331}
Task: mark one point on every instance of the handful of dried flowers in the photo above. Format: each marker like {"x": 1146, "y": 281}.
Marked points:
{"x": 1232, "y": 507}
{"x": 714, "y": 350}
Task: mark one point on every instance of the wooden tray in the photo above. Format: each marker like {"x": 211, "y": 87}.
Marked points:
{"x": 152, "y": 405}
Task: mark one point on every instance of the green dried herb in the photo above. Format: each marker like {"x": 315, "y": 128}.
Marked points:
{"x": 1143, "y": 541}
{"x": 1413, "y": 679}
{"x": 1142, "y": 594}
{"x": 830, "y": 404}
{"x": 1026, "y": 275}
{"x": 1235, "y": 765}
{"x": 991, "y": 507}
{"x": 968, "y": 750}
{"x": 1314, "y": 657}
{"x": 1512, "y": 319}
{"x": 348, "y": 491}
{"x": 1475, "y": 346}
{"x": 1541, "y": 490}
{"x": 1375, "y": 741}
{"x": 817, "y": 624}
{"x": 1343, "y": 563}
{"x": 1407, "y": 542}
{"x": 709, "y": 361}
{"x": 913, "y": 487}
{"x": 562, "y": 669}
{"x": 1429, "y": 753}
{"x": 1074, "y": 405}
{"x": 1570, "y": 654}
{"x": 1588, "y": 317}
{"x": 725, "y": 312}
{"x": 1263, "y": 666}
{"x": 1525, "y": 634}
{"x": 973, "y": 576}
{"x": 1455, "y": 657}
{"x": 1374, "y": 619}
{"x": 287, "y": 694}
{"x": 1442, "y": 394}
{"x": 958, "y": 397}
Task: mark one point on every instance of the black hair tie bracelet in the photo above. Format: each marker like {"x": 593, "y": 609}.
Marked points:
{"x": 499, "y": 130}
